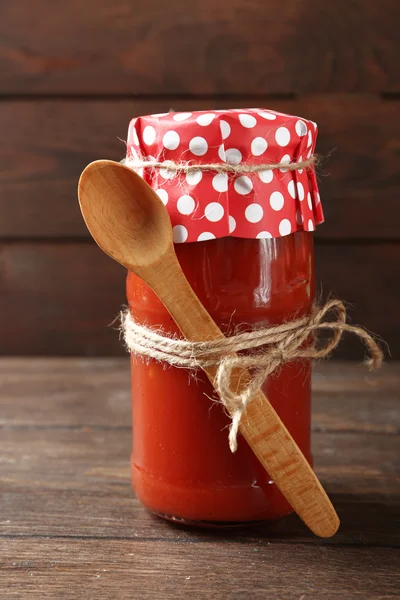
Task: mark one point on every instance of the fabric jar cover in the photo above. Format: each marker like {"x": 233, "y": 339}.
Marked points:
{"x": 207, "y": 204}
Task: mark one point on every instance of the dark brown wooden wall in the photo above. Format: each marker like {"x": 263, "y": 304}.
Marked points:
{"x": 73, "y": 74}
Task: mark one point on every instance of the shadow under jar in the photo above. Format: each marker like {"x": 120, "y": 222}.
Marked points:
{"x": 182, "y": 467}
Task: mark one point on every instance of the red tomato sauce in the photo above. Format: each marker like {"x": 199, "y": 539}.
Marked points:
{"x": 182, "y": 467}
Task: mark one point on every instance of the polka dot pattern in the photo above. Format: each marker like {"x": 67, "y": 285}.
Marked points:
{"x": 194, "y": 177}
{"x": 233, "y": 156}
{"x": 149, "y": 135}
{"x": 282, "y": 136}
{"x": 220, "y": 182}
{"x": 276, "y": 200}
{"x": 205, "y": 119}
{"x": 198, "y": 146}
{"x": 243, "y": 185}
{"x": 171, "y": 140}
{"x": 186, "y": 205}
{"x": 254, "y": 213}
{"x": 258, "y": 146}
{"x": 204, "y": 204}
{"x": 181, "y": 116}
{"x": 206, "y": 235}
{"x": 214, "y": 211}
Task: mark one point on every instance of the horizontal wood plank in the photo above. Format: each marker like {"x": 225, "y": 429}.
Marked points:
{"x": 46, "y": 145}
{"x": 69, "y": 520}
{"x": 184, "y": 48}
{"x": 65, "y": 445}
{"x": 67, "y": 392}
{"x": 122, "y": 569}
{"x": 61, "y": 298}
{"x": 75, "y": 482}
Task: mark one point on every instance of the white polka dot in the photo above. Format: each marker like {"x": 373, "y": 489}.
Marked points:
{"x": 185, "y": 205}
{"x": 254, "y": 213}
{"x": 263, "y": 235}
{"x": 301, "y": 128}
{"x": 181, "y": 116}
{"x": 220, "y": 182}
{"x": 317, "y": 198}
{"x": 292, "y": 189}
{"x": 167, "y": 174}
{"x": 180, "y": 234}
{"x": 276, "y": 200}
{"x": 267, "y": 115}
{"x": 149, "y": 135}
{"x": 171, "y": 140}
{"x": 315, "y": 125}
{"x": 309, "y": 153}
{"x": 225, "y": 129}
{"x": 160, "y": 115}
{"x": 233, "y": 156}
{"x": 198, "y": 146}
{"x": 309, "y": 142}
{"x": 285, "y": 227}
{"x": 285, "y": 159}
{"x": 247, "y": 121}
{"x": 205, "y": 119}
{"x": 243, "y": 185}
{"x": 300, "y": 159}
{"x": 282, "y": 136}
{"x": 299, "y": 217}
{"x": 194, "y": 177}
{"x": 309, "y": 201}
{"x": 221, "y": 153}
{"x": 206, "y": 235}
{"x": 300, "y": 190}
{"x": 310, "y": 225}
{"x": 232, "y": 224}
{"x": 163, "y": 194}
{"x": 266, "y": 176}
{"x": 214, "y": 211}
{"x": 258, "y": 146}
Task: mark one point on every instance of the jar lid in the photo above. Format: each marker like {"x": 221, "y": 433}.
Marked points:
{"x": 246, "y": 173}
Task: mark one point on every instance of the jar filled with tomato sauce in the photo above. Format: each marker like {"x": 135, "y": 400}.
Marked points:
{"x": 243, "y": 237}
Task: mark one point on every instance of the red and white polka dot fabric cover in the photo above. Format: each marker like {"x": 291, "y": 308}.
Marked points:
{"x": 203, "y": 204}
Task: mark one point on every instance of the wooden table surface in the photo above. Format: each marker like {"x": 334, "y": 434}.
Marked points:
{"x": 70, "y": 526}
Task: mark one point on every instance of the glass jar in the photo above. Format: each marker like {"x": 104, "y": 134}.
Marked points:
{"x": 182, "y": 467}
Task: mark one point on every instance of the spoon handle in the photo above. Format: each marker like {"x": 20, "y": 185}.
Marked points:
{"x": 261, "y": 426}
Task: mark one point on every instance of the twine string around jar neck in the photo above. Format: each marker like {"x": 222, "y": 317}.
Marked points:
{"x": 174, "y": 167}
{"x": 270, "y": 348}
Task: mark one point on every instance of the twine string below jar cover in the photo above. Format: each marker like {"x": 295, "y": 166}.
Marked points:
{"x": 267, "y": 349}
{"x": 241, "y": 169}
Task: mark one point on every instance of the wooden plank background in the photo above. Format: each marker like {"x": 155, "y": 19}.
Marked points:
{"x": 71, "y": 79}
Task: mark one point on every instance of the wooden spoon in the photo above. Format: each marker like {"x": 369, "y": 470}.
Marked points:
{"x": 129, "y": 222}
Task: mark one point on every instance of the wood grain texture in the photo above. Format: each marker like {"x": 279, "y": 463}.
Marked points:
{"x": 123, "y": 569}
{"x": 163, "y": 571}
{"x": 60, "y": 298}
{"x": 106, "y": 383}
{"x": 46, "y": 145}
{"x": 179, "y": 48}
{"x": 69, "y": 520}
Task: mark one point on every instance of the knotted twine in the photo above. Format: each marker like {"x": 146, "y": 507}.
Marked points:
{"x": 277, "y": 345}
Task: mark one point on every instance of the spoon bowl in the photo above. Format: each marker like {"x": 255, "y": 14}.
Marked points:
{"x": 135, "y": 233}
